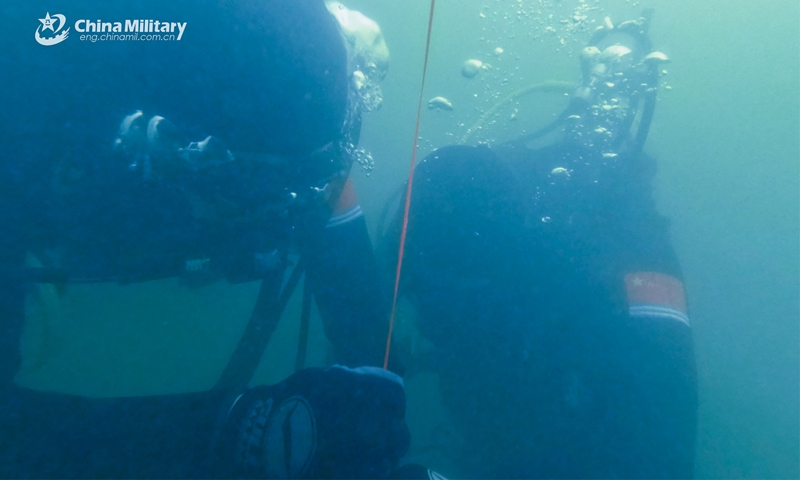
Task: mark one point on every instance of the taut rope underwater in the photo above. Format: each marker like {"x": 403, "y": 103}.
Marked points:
{"x": 408, "y": 191}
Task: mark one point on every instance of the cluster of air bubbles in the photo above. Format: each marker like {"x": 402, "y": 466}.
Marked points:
{"x": 547, "y": 17}
{"x": 362, "y": 157}
{"x": 599, "y": 126}
{"x": 580, "y": 21}
{"x": 370, "y": 96}
{"x": 610, "y": 110}
{"x": 559, "y": 176}
{"x": 662, "y": 74}
{"x": 503, "y": 64}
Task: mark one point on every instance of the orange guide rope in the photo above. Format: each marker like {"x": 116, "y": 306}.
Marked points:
{"x": 408, "y": 191}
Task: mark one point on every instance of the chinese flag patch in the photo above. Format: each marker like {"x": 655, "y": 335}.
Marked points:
{"x": 652, "y": 294}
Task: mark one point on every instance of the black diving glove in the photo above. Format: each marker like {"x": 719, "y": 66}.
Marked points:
{"x": 334, "y": 423}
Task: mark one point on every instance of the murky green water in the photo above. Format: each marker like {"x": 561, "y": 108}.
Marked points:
{"x": 727, "y": 138}
{"x": 726, "y": 133}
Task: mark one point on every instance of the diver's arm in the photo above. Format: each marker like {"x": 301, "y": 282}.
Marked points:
{"x": 662, "y": 366}
{"x": 657, "y": 354}
{"x": 343, "y": 275}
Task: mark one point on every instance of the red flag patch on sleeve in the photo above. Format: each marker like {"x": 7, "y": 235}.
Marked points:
{"x": 652, "y": 294}
{"x": 346, "y": 208}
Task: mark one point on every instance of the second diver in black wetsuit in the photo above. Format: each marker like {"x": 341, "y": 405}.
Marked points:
{"x": 547, "y": 282}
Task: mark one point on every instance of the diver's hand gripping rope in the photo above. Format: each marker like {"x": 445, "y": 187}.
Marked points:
{"x": 408, "y": 190}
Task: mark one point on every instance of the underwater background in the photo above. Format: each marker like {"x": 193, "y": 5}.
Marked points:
{"x": 727, "y": 137}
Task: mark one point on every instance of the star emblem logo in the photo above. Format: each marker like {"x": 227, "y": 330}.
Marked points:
{"x": 47, "y": 23}
{"x": 637, "y": 282}
{"x": 55, "y": 24}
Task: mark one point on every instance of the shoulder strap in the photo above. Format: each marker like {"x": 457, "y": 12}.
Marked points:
{"x": 267, "y": 313}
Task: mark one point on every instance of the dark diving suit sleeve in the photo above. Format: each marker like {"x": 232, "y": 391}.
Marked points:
{"x": 656, "y": 355}
{"x": 343, "y": 275}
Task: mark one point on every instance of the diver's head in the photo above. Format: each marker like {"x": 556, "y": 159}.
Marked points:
{"x": 613, "y": 105}
{"x": 272, "y": 104}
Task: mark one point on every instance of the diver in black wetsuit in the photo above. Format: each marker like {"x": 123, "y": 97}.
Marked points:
{"x": 548, "y": 285}
{"x": 208, "y": 157}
